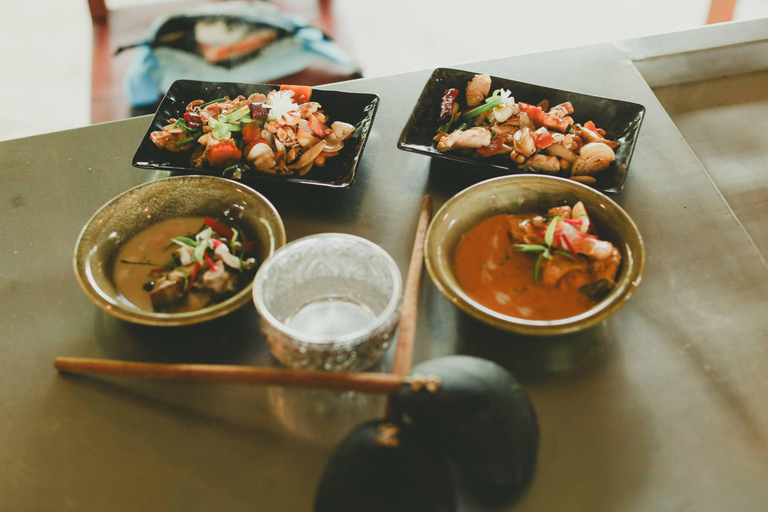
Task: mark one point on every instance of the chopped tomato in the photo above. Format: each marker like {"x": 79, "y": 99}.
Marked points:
{"x": 536, "y": 115}
{"x": 542, "y": 138}
{"x": 301, "y": 93}
{"x": 251, "y": 132}
{"x": 224, "y": 154}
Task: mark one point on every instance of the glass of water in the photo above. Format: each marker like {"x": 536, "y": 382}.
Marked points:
{"x": 329, "y": 302}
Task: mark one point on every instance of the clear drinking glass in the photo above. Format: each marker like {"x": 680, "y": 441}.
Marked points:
{"x": 329, "y": 302}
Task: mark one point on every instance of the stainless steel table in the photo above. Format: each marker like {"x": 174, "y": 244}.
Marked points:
{"x": 662, "y": 407}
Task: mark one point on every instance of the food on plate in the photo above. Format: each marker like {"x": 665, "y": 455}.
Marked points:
{"x": 184, "y": 264}
{"x": 282, "y": 133}
{"x": 536, "y": 137}
{"x": 537, "y": 267}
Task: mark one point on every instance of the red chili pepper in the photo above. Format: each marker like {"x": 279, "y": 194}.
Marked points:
{"x": 219, "y": 228}
{"x": 193, "y": 275}
{"x": 446, "y": 106}
{"x": 193, "y": 120}
{"x": 572, "y": 222}
{"x": 209, "y": 261}
{"x": 215, "y": 243}
{"x": 567, "y": 243}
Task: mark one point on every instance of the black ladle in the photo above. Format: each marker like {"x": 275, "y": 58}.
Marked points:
{"x": 467, "y": 408}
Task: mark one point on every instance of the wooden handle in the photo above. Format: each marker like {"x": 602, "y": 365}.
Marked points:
{"x": 406, "y": 336}
{"x": 377, "y": 383}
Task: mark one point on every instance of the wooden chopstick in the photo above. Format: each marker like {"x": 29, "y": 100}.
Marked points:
{"x": 378, "y": 383}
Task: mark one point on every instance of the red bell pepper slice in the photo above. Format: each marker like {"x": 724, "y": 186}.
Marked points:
{"x": 193, "y": 275}
{"x": 219, "y": 228}
{"x": 492, "y": 148}
{"x": 209, "y": 261}
{"x": 536, "y": 115}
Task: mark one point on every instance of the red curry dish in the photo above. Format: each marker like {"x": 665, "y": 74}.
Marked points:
{"x": 537, "y": 267}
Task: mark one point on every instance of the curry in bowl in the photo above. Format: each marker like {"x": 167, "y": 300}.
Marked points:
{"x": 184, "y": 264}
{"x": 177, "y": 251}
{"x": 539, "y": 267}
{"x": 535, "y": 255}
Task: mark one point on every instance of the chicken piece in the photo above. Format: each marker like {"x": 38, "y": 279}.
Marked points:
{"x": 562, "y": 110}
{"x": 559, "y": 266}
{"x": 472, "y": 138}
{"x": 167, "y": 140}
{"x": 540, "y": 162}
{"x": 222, "y": 253}
{"x": 168, "y": 289}
{"x": 218, "y": 280}
{"x": 580, "y": 213}
{"x": 606, "y": 268}
{"x": 478, "y": 89}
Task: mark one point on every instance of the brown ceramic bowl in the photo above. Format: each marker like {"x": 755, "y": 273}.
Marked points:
{"x": 182, "y": 196}
{"x": 524, "y": 194}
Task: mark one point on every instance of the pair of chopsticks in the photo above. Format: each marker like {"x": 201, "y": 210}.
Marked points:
{"x": 377, "y": 383}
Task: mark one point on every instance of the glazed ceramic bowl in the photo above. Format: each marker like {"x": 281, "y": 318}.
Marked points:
{"x": 141, "y": 207}
{"x": 532, "y": 194}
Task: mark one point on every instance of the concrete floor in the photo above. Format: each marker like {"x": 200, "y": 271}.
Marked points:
{"x": 46, "y": 44}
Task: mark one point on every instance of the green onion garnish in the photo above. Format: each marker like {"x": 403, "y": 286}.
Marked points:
{"x": 536, "y": 266}
{"x": 549, "y": 237}
{"x": 482, "y": 108}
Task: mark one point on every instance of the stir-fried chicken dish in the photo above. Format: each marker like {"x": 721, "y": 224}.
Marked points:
{"x": 537, "y": 138}
{"x": 209, "y": 263}
{"x": 282, "y": 133}
{"x": 538, "y": 267}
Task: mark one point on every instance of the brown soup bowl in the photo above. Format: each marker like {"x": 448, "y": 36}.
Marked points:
{"x": 532, "y": 194}
{"x": 150, "y": 203}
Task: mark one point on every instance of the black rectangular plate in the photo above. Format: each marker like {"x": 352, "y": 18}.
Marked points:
{"x": 620, "y": 119}
{"x": 357, "y": 109}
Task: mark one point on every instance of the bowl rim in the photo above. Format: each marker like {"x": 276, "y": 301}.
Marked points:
{"x": 326, "y": 340}
{"x": 596, "y": 314}
{"x": 84, "y": 276}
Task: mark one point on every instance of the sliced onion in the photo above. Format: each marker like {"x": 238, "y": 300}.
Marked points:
{"x": 308, "y": 156}
{"x": 332, "y": 143}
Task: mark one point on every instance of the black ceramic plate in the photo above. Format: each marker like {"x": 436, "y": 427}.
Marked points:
{"x": 620, "y": 119}
{"x": 357, "y": 109}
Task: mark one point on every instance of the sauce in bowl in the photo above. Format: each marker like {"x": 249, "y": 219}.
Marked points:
{"x": 152, "y": 259}
{"x": 493, "y": 268}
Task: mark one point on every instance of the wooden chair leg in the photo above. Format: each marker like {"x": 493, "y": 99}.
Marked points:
{"x": 720, "y": 11}
{"x": 98, "y": 10}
